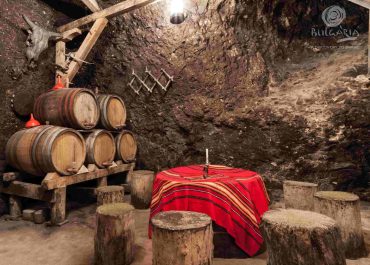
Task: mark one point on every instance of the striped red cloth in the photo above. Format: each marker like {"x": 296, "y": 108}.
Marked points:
{"x": 234, "y": 198}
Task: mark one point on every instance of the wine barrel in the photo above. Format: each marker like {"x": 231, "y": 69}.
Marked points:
{"x": 71, "y": 107}
{"x": 100, "y": 148}
{"x": 112, "y": 112}
{"x": 45, "y": 149}
{"x": 126, "y": 146}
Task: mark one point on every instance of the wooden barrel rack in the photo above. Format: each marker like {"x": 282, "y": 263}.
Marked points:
{"x": 52, "y": 188}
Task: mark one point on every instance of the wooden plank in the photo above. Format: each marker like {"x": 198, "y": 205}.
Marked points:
{"x": 54, "y": 181}
{"x": 60, "y": 59}
{"x": 86, "y": 47}
{"x": 92, "y": 5}
{"x": 27, "y": 190}
{"x": 115, "y": 10}
{"x": 363, "y": 3}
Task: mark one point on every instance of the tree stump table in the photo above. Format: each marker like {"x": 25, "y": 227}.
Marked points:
{"x": 344, "y": 208}
{"x": 182, "y": 238}
{"x": 301, "y": 238}
{"x": 115, "y": 234}
{"x": 109, "y": 194}
{"x": 299, "y": 195}
{"x": 141, "y": 186}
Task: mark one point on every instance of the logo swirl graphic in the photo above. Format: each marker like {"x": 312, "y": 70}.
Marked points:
{"x": 333, "y": 16}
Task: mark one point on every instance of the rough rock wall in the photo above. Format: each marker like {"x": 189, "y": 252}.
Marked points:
{"x": 230, "y": 60}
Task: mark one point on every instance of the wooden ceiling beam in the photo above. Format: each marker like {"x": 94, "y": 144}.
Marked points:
{"x": 92, "y": 5}
{"x": 363, "y": 3}
{"x": 115, "y": 10}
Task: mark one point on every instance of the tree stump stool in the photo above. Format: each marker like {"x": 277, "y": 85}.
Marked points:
{"x": 109, "y": 194}
{"x": 301, "y": 238}
{"x": 141, "y": 188}
{"x": 344, "y": 208}
{"x": 182, "y": 238}
{"x": 115, "y": 234}
{"x": 299, "y": 195}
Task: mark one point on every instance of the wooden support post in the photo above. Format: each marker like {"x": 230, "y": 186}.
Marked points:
{"x": 15, "y": 206}
{"x": 102, "y": 182}
{"x": 58, "y": 207}
{"x": 86, "y": 47}
{"x": 60, "y": 59}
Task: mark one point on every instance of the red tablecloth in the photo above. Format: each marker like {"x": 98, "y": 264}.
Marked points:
{"x": 234, "y": 198}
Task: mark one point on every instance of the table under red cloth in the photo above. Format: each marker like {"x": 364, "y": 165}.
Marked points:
{"x": 234, "y": 198}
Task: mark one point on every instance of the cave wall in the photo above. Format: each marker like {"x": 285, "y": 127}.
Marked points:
{"x": 223, "y": 59}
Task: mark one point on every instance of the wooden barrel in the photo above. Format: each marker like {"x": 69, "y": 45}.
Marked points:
{"x": 45, "y": 149}
{"x": 71, "y": 107}
{"x": 100, "y": 148}
{"x": 112, "y": 112}
{"x": 126, "y": 146}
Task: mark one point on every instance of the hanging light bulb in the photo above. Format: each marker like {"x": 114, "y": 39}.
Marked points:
{"x": 177, "y": 12}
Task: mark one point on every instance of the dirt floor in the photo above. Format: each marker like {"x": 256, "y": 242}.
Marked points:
{"x": 23, "y": 242}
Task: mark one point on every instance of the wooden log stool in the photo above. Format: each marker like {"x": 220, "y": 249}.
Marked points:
{"x": 182, "y": 238}
{"x": 141, "y": 188}
{"x": 15, "y": 206}
{"x": 115, "y": 234}
{"x": 109, "y": 194}
{"x": 299, "y": 195}
{"x": 301, "y": 238}
{"x": 344, "y": 208}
